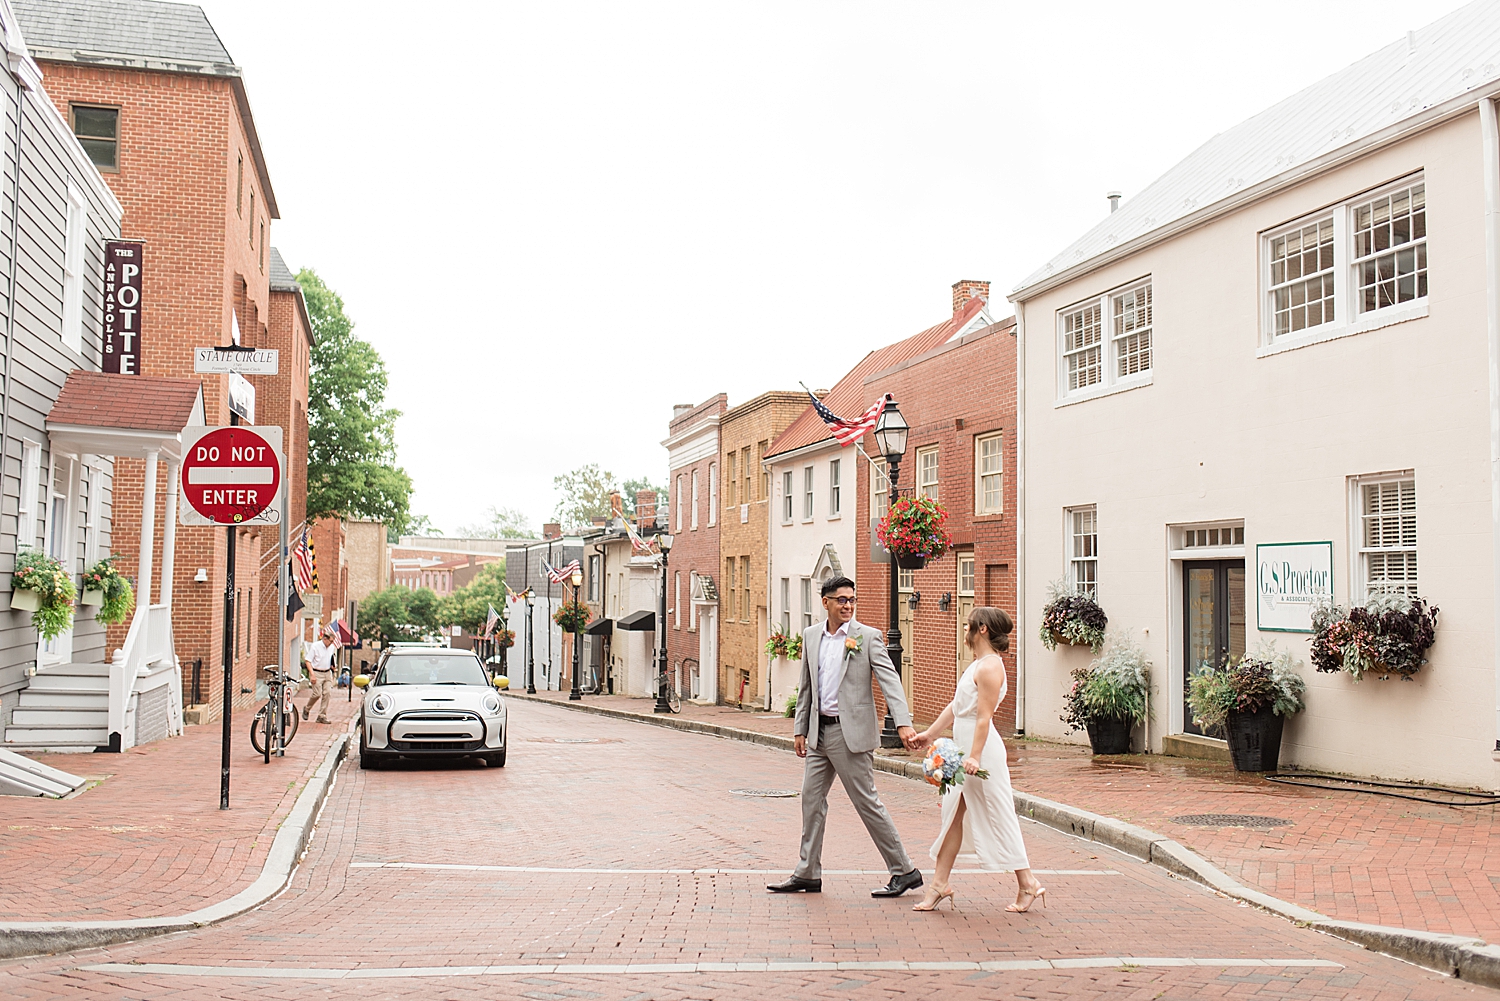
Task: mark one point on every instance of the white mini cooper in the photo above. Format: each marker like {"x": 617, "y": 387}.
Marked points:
{"x": 427, "y": 701}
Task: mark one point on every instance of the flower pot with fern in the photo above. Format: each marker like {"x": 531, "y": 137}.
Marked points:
{"x": 104, "y": 586}
{"x": 40, "y": 585}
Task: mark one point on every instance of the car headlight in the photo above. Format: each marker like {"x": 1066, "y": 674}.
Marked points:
{"x": 492, "y": 704}
{"x": 380, "y": 704}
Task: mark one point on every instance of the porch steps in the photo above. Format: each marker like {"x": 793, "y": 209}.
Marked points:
{"x": 1190, "y": 745}
{"x": 20, "y": 776}
{"x": 65, "y": 708}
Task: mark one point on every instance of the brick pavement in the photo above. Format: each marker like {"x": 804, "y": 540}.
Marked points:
{"x": 590, "y": 793}
{"x": 148, "y": 838}
{"x": 1348, "y": 855}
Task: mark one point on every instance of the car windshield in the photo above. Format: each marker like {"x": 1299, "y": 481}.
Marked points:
{"x": 431, "y": 669}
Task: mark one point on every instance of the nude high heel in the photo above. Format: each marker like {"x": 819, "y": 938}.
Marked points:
{"x": 1040, "y": 894}
{"x": 933, "y": 898}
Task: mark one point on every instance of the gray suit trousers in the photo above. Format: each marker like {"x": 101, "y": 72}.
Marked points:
{"x": 856, "y": 771}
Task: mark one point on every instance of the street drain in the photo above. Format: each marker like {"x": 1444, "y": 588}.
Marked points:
{"x": 575, "y": 740}
{"x": 1230, "y": 820}
{"x": 765, "y": 793}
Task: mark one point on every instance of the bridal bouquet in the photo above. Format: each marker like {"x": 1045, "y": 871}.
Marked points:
{"x": 944, "y": 765}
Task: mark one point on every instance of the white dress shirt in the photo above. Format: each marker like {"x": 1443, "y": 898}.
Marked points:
{"x": 320, "y": 655}
{"x": 830, "y": 661}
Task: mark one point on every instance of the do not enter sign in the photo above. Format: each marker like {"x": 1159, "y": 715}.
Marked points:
{"x": 231, "y": 475}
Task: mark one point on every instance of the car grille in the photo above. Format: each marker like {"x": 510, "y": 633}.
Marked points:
{"x": 439, "y": 715}
{"x": 436, "y": 745}
{"x": 465, "y": 732}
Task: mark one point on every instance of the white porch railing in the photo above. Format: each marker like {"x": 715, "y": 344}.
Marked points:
{"x": 147, "y": 661}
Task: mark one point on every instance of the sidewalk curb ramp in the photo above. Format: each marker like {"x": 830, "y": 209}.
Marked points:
{"x": 1468, "y": 959}
{"x": 33, "y": 938}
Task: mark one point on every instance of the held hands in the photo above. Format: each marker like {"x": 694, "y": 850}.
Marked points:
{"x": 920, "y": 740}
{"x": 908, "y": 737}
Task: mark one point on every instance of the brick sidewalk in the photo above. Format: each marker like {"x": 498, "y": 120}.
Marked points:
{"x": 1348, "y": 855}
{"x": 148, "y": 839}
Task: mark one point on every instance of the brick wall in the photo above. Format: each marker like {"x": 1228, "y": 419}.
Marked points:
{"x": 962, "y": 391}
{"x": 694, "y": 550}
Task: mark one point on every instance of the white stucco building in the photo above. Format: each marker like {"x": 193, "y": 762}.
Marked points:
{"x": 1283, "y": 340}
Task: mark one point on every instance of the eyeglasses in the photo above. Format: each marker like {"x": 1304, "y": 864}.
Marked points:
{"x": 844, "y": 602}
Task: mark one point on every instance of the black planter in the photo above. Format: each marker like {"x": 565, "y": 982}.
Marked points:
{"x": 911, "y": 562}
{"x": 1255, "y": 740}
{"x": 1109, "y": 736}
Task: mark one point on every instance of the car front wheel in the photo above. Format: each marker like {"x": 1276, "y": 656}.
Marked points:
{"x": 496, "y": 760}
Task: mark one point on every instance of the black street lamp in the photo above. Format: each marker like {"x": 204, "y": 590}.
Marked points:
{"x": 890, "y": 439}
{"x": 530, "y": 660}
{"x": 576, "y": 694}
{"x": 664, "y": 541}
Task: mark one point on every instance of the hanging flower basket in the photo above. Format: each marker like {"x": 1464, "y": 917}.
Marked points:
{"x": 572, "y": 616}
{"x": 776, "y": 645}
{"x": 1389, "y": 634}
{"x": 505, "y": 637}
{"x": 913, "y": 532}
{"x": 794, "y": 647}
{"x": 110, "y": 590}
{"x": 1072, "y": 617}
{"x": 41, "y": 579}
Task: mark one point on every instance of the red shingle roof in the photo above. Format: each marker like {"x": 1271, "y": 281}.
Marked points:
{"x": 126, "y": 402}
{"x": 847, "y": 399}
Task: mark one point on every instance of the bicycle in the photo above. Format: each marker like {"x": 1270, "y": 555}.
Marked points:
{"x": 674, "y": 700}
{"x": 266, "y": 727}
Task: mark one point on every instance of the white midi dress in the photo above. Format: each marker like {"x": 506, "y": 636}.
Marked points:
{"x": 992, "y": 831}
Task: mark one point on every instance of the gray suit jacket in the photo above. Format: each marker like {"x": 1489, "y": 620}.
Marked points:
{"x": 856, "y": 699}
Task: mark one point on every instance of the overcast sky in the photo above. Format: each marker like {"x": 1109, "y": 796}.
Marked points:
{"x": 555, "y": 220}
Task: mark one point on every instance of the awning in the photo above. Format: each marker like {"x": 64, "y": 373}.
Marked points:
{"x": 598, "y": 627}
{"x": 125, "y": 416}
{"x": 642, "y": 621}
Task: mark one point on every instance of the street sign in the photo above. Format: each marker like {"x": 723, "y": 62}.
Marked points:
{"x": 257, "y": 361}
{"x": 231, "y": 475}
{"x": 242, "y": 397}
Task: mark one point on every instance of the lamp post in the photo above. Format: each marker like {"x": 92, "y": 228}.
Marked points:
{"x": 530, "y": 660}
{"x": 890, "y": 438}
{"x": 664, "y": 541}
{"x": 576, "y": 694}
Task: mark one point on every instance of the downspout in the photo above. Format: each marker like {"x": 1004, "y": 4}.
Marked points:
{"x": 1022, "y": 629}
{"x": 1490, "y": 136}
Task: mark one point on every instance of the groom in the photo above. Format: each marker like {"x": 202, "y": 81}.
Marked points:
{"x": 837, "y": 732}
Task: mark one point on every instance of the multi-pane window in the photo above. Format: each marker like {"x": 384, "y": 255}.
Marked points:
{"x": 1390, "y": 248}
{"x": 807, "y": 493}
{"x": 713, "y": 496}
{"x": 765, "y": 474}
{"x": 1131, "y": 332}
{"x": 679, "y": 502}
{"x": 729, "y": 479}
{"x": 31, "y": 483}
{"x": 927, "y": 472}
{"x": 239, "y": 185}
{"x": 693, "y": 516}
{"x": 807, "y": 602}
{"x": 744, "y": 589}
{"x": 74, "y": 236}
{"x": 835, "y": 499}
{"x": 1302, "y": 277}
{"x": 786, "y": 497}
{"x": 1083, "y": 549}
{"x": 880, "y": 490}
{"x": 1082, "y": 348}
{"x": 786, "y": 605}
{"x": 745, "y": 497}
{"x": 677, "y": 600}
{"x": 1194, "y": 538}
{"x": 966, "y": 575}
{"x": 98, "y": 132}
{"x": 593, "y": 578}
{"x": 729, "y": 599}
{"x": 989, "y": 474}
{"x": 1388, "y": 533}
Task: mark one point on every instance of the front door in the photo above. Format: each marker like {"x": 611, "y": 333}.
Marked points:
{"x": 1213, "y": 617}
{"x": 965, "y": 607}
{"x": 905, "y": 618}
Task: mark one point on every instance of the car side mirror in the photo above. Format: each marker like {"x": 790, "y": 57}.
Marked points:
{"x": 501, "y": 681}
{"x": 361, "y": 680}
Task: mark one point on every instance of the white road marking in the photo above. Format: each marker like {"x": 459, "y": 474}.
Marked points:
{"x": 753, "y": 966}
{"x": 457, "y": 867}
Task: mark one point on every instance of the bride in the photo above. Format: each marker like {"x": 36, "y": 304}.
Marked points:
{"x": 979, "y": 817}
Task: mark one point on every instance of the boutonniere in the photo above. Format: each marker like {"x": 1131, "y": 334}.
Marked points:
{"x": 852, "y": 645}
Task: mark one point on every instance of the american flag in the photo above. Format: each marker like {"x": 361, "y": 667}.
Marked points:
{"x": 637, "y": 541}
{"x": 303, "y": 564}
{"x": 559, "y": 574}
{"x": 490, "y": 621}
{"x": 846, "y": 433}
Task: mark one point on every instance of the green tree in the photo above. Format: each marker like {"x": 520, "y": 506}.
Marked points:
{"x": 399, "y": 614}
{"x": 500, "y": 523}
{"x": 351, "y": 433}
{"x": 584, "y": 495}
{"x": 423, "y": 608}
{"x": 417, "y": 524}
{"x": 469, "y": 606}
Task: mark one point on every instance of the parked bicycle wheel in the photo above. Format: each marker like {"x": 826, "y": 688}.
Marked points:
{"x": 260, "y": 740}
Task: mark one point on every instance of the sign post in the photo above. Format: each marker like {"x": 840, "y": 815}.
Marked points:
{"x": 231, "y": 476}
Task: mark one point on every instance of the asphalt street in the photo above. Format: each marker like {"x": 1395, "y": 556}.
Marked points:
{"x": 617, "y": 860}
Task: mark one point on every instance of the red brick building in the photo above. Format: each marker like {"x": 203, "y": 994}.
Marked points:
{"x": 693, "y": 566}
{"x": 960, "y": 400}
{"x": 162, "y": 109}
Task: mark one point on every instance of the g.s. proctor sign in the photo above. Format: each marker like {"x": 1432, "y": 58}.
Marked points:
{"x": 1290, "y": 578}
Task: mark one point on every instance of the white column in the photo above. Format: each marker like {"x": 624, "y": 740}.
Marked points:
{"x": 1489, "y": 134}
{"x": 148, "y": 532}
{"x": 169, "y": 535}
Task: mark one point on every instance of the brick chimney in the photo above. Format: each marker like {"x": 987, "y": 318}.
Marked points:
{"x": 601, "y": 522}
{"x": 645, "y": 511}
{"x": 963, "y": 291}
{"x": 551, "y": 530}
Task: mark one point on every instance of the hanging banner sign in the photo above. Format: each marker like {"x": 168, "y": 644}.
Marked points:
{"x": 123, "y": 261}
{"x": 231, "y": 475}
{"x": 1290, "y": 578}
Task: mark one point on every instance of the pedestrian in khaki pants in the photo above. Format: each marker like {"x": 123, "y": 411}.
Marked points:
{"x": 320, "y": 663}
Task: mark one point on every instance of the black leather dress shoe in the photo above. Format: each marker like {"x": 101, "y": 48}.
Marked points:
{"x": 797, "y": 885}
{"x": 899, "y": 884}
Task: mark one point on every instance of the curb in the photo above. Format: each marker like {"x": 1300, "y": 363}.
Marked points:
{"x": 32, "y": 938}
{"x": 1467, "y": 959}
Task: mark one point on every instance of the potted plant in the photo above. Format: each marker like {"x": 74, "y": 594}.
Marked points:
{"x": 794, "y": 647}
{"x": 1389, "y": 634}
{"x": 776, "y": 645}
{"x": 571, "y": 616}
{"x": 41, "y": 586}
{"x": 912, "y": 532}
{"x": 1249, "y": 702}
{"x": 1073, "y": 617}
{"x": 505, "y": 637}
{"x": 110, "y": 590}
{"x": 1108, "y": 697}
{"x": 791, "y": 705}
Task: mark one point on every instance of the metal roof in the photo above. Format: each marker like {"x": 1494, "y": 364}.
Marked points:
{"x": 1421, "y": 70}
{"x": 149, "y": 29}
